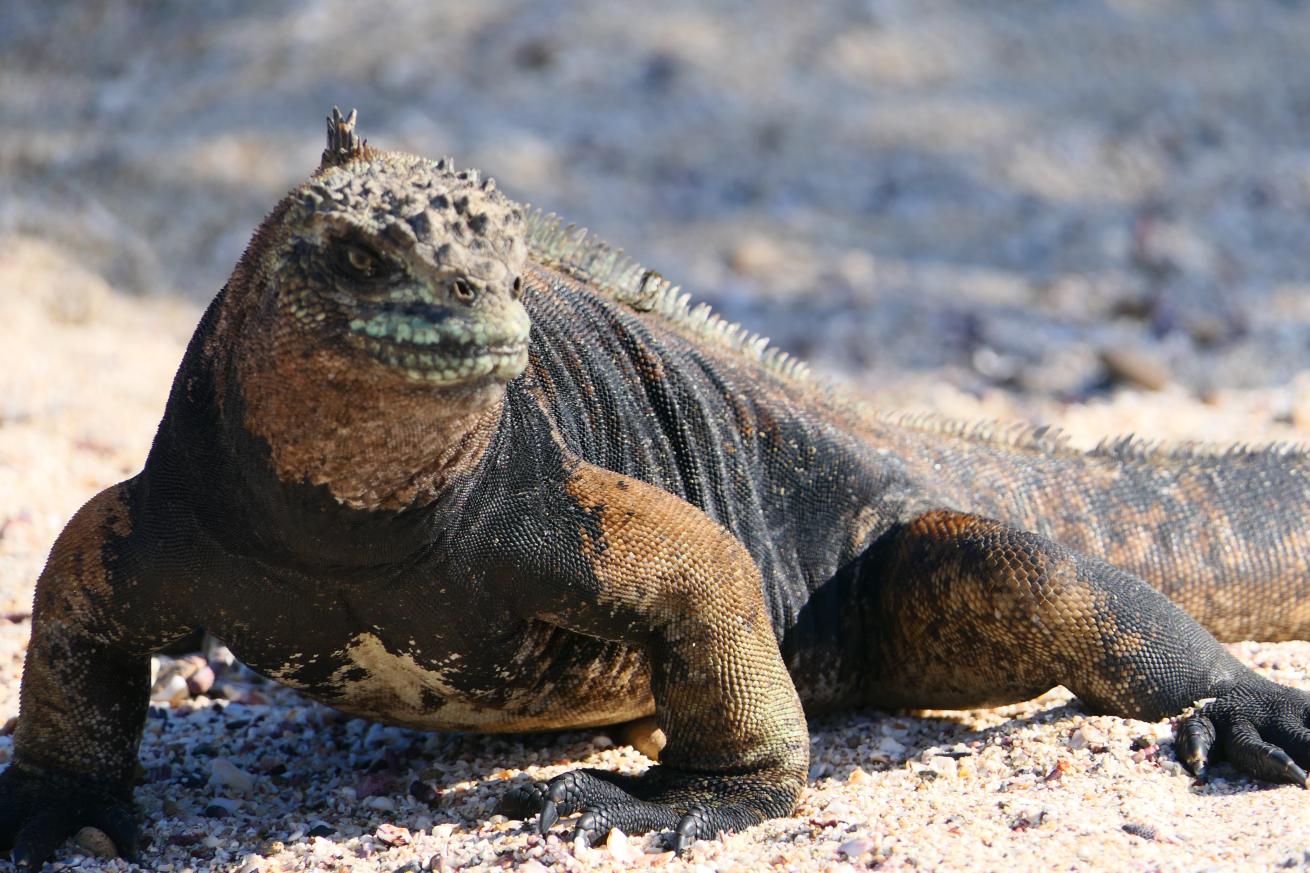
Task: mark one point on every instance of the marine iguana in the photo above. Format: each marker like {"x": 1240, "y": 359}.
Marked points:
{"x": 441, "y": 463}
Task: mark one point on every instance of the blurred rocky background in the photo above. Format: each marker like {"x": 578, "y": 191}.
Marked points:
{"x": 1036, "y": 202}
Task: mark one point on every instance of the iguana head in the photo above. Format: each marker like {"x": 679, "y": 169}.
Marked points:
{"x": 373, "y": 323}
{"x": 402, "y": 261}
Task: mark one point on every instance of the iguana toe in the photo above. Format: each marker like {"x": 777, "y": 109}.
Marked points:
{"x": 689, "y": 806}
{"x": 1194, "y": 739}
{"x": 630, "y": 816}
{"x": 579, "y": 790}
{"x": 521, "y": 801}
{"x": 39, "y": 810}
{"x": 1252, "y": 755}
{"x": 1257, "y": 726}
{"x": 695, "y": 825}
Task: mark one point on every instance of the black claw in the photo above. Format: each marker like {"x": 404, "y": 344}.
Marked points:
{"x": 1258, "y": 726}
{"x": 1288, "y": 769}
{"x": 1292, "y": 737}
{"x": 548, "y": 816}
{"x": 39, "y": 839}
{"x": 1196, "y": 738}
{"x": 588, "y": 829}
{"x": 520, "y": 802}
{"x": 1251, "y": 754}
{"x": 685, "y": 835}
{"x": 656, "y": 801}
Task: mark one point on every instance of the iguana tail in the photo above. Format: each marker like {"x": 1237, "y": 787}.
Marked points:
{"x": 1224, "y": 533}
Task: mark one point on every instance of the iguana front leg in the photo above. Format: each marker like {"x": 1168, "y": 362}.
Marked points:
{"x": 971, "y": 612}
{"x": 85, "y": 688}
{"x": 658, "y": 573}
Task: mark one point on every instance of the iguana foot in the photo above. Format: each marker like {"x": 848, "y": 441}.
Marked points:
{"x": 40, "y": 809}
{"x": 691, "y": 806}
{"x": 1258, "y": 726}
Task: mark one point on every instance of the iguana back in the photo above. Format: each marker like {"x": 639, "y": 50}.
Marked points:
{"x": 808, "y": 478}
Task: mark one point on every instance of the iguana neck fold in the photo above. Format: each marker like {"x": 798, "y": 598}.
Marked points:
{"x": 373, "y": 446}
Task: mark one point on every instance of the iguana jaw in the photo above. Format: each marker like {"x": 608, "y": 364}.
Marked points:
{"x": 417, "y": 364}
{"x": 444, "y": 351}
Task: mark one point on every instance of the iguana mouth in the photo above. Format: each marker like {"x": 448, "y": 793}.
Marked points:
{"x": 449, "y": 367}
{"x": 449, "y": 351}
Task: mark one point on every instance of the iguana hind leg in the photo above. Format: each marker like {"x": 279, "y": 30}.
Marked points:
{"x": 972, "y": 612}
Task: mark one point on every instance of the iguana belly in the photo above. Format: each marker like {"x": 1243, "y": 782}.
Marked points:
{"x": 369, "y": 680}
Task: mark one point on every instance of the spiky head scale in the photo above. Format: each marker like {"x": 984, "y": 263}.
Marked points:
{"x": 451, "y": 219}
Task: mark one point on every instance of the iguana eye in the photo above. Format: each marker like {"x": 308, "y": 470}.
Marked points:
{"x": 463, "y": 291}
{"x": 358, "y": 261}
{"x": 361, "y": 260}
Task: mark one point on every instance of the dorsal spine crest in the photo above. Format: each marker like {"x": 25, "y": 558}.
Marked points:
{"x": 573, "y": 251}
{"x": 343, "y": 143}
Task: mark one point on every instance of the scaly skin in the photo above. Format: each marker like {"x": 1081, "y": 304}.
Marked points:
{"x": 586, "y": 505}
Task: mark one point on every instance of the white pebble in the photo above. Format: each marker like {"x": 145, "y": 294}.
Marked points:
{"x": 891, "y": 746}
{"x": 251, "y": 864}
{"x": 1172, "y": 767}
{"x": 943, "y": 765}
{"x": 171, "y": 690}
{"x": 200, "y": 682}
{"x": 857, "y": 847}
{"x": 223, "y": 772}
{"x": 620, "y": 848}
{"x": 383, "y": 804}
{"x": 393, "y": 835}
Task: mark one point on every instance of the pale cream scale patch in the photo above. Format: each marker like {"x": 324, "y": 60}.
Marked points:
{"x": 393, "y": 688}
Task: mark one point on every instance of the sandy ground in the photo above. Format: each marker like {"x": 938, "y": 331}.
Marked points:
{"x": 1089, "y": 213}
